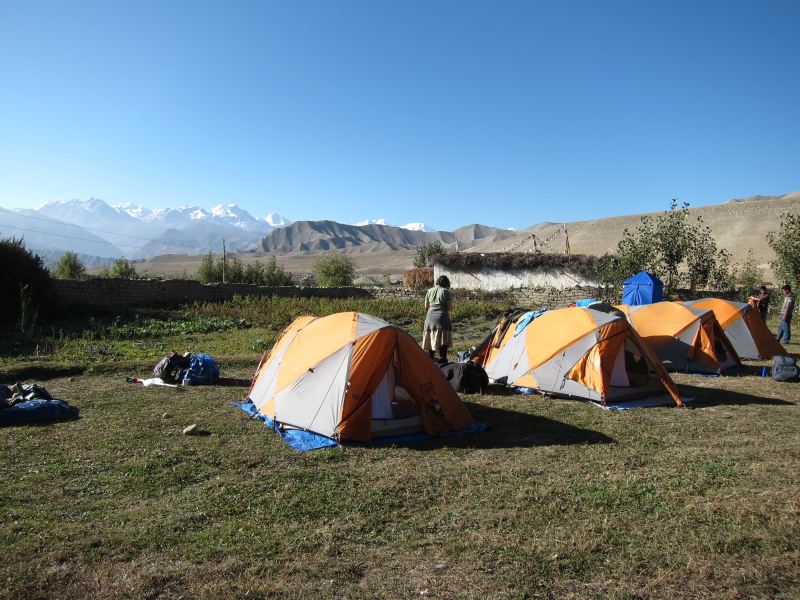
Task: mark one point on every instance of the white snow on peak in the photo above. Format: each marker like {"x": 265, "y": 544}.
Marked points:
{"x": 416, "y": 227}
{"x": 276, "y": 220}
{"x": 373, "y": 222}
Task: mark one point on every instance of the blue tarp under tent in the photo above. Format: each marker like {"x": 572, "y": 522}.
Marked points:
{"x": 642, "y": 288}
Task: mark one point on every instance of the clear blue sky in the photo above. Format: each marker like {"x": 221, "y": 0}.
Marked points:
{"x": 448, "y": 112}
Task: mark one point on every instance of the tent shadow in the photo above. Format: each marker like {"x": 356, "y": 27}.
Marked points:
{"x": 704, "y": 397}
{"x": 512, "y": 429}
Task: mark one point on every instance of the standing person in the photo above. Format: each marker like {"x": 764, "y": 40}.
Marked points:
{"x": 438, "y": 334}
{"x": 785, "y": 325}
{"x": 762, "y": 300}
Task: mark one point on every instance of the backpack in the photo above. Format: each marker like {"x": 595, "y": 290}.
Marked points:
{"x": 468, "y": 377}
{"x": 784, "y": 368}
{"x": 168, "y": 368}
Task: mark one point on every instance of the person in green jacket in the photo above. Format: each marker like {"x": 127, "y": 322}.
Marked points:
{"x": 438, "y": 334}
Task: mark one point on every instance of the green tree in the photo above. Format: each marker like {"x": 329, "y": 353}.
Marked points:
{"x": 271, "y": 274}
{"x": 121, "y": 269}
{"x": 334, "y": 270}
{"x": 666, "y": 244}
{"x": 706, "y": 264}
{"x": 69, "y": 266}
{"x": 26, "y": 282}
{"x": 672, "y": 242}
{"x": 234, "y": 270}
{"x": 427, "y": 251}
{"x": 749, "y": 275}
{"x": 786, "y": 244}
{"x": 209, "y": 271}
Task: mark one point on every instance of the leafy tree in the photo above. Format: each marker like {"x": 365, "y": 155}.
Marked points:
{"x": 426, "y": 251}
{"x": 121, "y": 269}
{"x": 673, "y": 241}
{"x": 234, "y": 270}
{"x": 25, "y": 281}
{"x": 209, "y": 271}
{"x": 271, "y": 274}
{"x": 334, "y": 270}
{"x": 664, "y": 245}
{"x": 749, "y": 275}
{"x": 69, "y": 266}
{"x": 706, "y": 264}
{"x": 786, "y": 244}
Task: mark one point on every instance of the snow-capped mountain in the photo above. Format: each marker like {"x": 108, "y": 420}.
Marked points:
{"x": 417, "y": 227}
{"x": 132, "y": 227}
{"x": 409, "y": 226}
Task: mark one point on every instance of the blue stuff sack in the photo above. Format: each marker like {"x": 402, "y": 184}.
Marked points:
{"x": 203, "y": 370}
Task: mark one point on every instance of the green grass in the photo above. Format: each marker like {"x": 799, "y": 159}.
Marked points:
{"x": 557, "y": 500}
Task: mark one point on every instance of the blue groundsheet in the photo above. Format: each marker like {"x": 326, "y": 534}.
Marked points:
{"x": 307, "y": 440}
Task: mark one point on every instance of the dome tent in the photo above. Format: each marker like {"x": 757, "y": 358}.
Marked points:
{"x": 642, "y": 288}
{"x": 744, "y": 327}
{"x": 575, "y": 352}
{"x": 352, "y": 377}
{"x": 684, "y": 338}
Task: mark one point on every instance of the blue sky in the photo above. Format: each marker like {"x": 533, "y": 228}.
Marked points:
{"x": 448, "y": 112}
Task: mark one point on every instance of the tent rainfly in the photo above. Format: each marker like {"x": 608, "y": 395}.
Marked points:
{"x": 352, "y": 377}
{"x": 642, "y": 288}
{"x": 684, "y": 338}
{"x": 744, "y": 327}
{"x": 575, "y": 352}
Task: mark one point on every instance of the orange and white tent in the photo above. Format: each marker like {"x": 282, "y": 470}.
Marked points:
{"x": 351, "y": 376}
{"x": 744, "y": 327}
{"x": 685, "y": 338}
{"x": 576, "y": 352}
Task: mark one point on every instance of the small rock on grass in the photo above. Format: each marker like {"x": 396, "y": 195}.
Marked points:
{"x": 165, "y": 416}
{"x": 191, "y": 429}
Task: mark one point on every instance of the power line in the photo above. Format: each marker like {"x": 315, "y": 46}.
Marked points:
{"x": 74, "y": 237}
{"x": 56, "y": 222}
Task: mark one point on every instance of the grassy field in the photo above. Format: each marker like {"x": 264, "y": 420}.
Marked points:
{"x": 558, "y": 499}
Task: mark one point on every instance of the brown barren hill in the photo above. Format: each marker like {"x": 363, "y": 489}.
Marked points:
{"x": 737, "y": 225}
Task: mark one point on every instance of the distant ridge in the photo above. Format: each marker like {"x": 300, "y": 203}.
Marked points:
{"x": 315, "y": 236}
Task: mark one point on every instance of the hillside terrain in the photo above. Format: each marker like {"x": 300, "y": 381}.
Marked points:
{"x": 738, "y": 226}
{"x": 383, "y": 251}
{"x": 309, "y": 236}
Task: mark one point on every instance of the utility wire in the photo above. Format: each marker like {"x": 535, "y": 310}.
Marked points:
{"x": 74, "y": 237}
{"x": 56, "y": 222}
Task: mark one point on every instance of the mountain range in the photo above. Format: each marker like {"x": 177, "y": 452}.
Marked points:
{"x": 100, "y": 232}
{"x": 95, "y": 228}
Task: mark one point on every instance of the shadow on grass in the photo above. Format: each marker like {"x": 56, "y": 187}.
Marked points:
{"x": 39, "y": 373}
{"x": 717, "y": 397}
{"x": 512, "y": 429}
{"x": 233, "y": 382}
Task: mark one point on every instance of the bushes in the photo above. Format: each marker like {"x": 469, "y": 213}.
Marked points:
{"x": 121, "y": 269}
{"x": 69, "y": 266}
{"x": 418, "y": 279}
{"x": 270, "y": 274}
{"x": 334, "y": 270}
{"x": 25, "y": 283}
